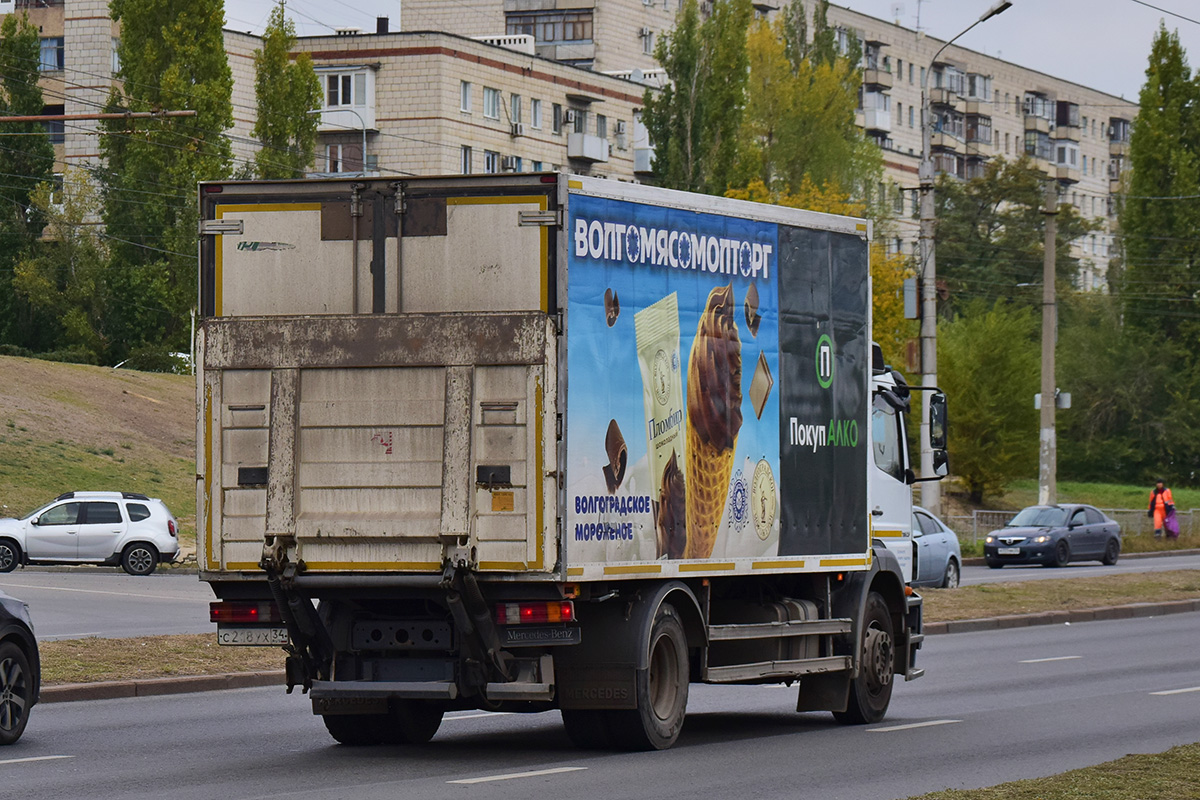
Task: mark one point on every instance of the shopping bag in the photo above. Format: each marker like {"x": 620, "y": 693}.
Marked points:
{"x": 1172, "y": 524}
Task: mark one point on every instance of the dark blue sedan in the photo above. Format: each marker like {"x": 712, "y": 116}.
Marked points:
{"x": 1054, "y": 536}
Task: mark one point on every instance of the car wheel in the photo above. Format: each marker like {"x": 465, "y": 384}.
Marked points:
{"x": 951, "y": 578}
{"x": 1111, "y": 553}
{"x": 1062, "y": 554}
{"x": 16, "y": 692}
{"x": 10, "y": 555}
{"x": 994, "y": 564}
{"x": 139, "y": 558}
{"x": 871, "y": 691}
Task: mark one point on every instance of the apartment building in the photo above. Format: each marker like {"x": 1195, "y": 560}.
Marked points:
{"x": 437, "y": 103}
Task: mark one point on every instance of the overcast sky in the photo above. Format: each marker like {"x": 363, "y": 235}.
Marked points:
{"x": 1099, "y": 43}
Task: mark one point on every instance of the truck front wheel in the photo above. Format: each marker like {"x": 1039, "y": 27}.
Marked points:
{"x": 871, "y": 691}
{"x": 662, "y": 689}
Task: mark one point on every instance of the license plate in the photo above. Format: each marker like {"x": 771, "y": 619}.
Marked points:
{"x": 1009, "y": 551}
{"x": 254, "y": 637}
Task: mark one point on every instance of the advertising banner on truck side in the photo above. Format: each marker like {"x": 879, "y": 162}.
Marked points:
{"x": 718, "y": 398}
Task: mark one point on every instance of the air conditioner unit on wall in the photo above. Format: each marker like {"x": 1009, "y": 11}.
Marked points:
{"x": 508, "y": 163}
{"x": 620, "y": 126}
{"x": 644, "y": 32}
{"x": 570, "y": 117}
{"x": 518, "y": 129}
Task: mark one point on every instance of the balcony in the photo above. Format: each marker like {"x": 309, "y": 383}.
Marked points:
{"x": 877, "y": 78}
{"x": 568, "y": 52}
{"x": 1067, "y": 174}
{"x": 1114, "y": 185}
{"x": 1039, "y": 124}
{"x": 1118, "y": 149}
{"x": 979, "y": 149}
{"x": 946, "y": 141}
{"x": 585, "y": 147}
{"x": 942, "y": 97}
{"x": 877, "y": 119}
{"x": 976, "y": 106}
{"x": 1068, "y": 133}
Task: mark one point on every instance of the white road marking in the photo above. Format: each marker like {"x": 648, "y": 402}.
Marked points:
{"x": 29, "y": 587}
{"x": 33, "y": 758}
{"x": 484, "y": 714}
{"x": 912, "y": 725}
{"x": 1044, "y": 660}
{"x": 1176, "y": 691}
{"x": 510, "y": 776}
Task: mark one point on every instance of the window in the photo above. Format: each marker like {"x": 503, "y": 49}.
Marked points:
{"x": 55, "y": 128}
{"x": 535, "y": 166}
{"x": 950, "y": 122}
{"x": 491, "y": 103}
{"x": 137, "y": 512}
{"x": 602, "y": 126}
{"x": 52, "y": 54}
{"x": 535, "y": 114}
{"x": 116, "y": 56}
{"x": 979, "y": 129}
{"x": 514, "y": 108}
{"x": 997, "y": 143}
{"x": 557, "y": 118}
{"x": 491, "y": 161}
{"x": 518, "y": 163}
{"x": 885, "y": 439}
{"x": 345, "y": 89}
{"x": 1085, "y": 125}
{"x": 979, "y": 87}
{"x": 911, "y": 116}
{"x": 899, "y": 110}
{"x": 1039, "y": 145}
{"x": 580, "y": 124}
{"x": 465, "y": 166}
{"x": 648, "y": 43}
{"x": 1006, "y": 141}
{"x": 910, "y": 73}
{"x": 1085, "y": 165}
{"x": 900, "y": 68}
{"x": 333, "y": 158}
{"x": 922, "y": 76}
{"x": 66, "y": 514}
{"x": 464, "y": 97}
{"x": 101, "y": 514}
{"x": 552, "y": 27}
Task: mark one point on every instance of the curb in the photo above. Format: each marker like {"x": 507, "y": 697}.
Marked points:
{"x": 978, "y": 561}
{"x": 1060, "y": 617}
{"x": 150, "y": 687}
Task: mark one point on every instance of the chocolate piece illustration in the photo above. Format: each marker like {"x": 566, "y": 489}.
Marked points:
{"x": 760, "y": 385}
{"x": 614, "y": 470}
{"x": 670, "y": 511}
{"x": 714, "y": 417}
{"x": 612, "y": 307}
{"x": 753, "y": 318}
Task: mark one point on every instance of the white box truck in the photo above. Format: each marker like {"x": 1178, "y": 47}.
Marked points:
{"x": 537, "y": 441}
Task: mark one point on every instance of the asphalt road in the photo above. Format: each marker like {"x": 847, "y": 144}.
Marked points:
{"x": 994, "y": 707}
{"x": 102, "y": 601}
{"x": 1083, "y": 569}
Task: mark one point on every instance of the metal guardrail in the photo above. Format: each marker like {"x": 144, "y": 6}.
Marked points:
{"x": 1134, "y": 522}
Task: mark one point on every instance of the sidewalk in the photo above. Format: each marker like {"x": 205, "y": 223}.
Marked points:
{"x": 151, "y": 687}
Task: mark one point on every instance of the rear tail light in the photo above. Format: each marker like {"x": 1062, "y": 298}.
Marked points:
{"x": 532, "y": 613}
{"x": 171, "y": 527}
{"x": 243, "y": 611}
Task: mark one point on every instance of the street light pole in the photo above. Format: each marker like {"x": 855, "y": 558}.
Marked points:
{"x": 1048, "y": 449}
{"x": 931, "y": 493}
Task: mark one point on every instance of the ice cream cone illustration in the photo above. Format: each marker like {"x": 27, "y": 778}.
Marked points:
{"x": 714, "y": 417}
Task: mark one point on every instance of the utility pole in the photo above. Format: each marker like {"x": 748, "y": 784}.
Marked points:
{"x": 931, "y": 492}
{"x": 1048, "y": 453}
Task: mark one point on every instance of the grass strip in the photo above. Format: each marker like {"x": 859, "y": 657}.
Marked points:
{"x": 1069, "y": 594}
{"x": 1163, "y": 776}
{"x": 92, "y": 660}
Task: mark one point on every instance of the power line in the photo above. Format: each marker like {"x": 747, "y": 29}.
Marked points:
{"x": 1165, "y": 11}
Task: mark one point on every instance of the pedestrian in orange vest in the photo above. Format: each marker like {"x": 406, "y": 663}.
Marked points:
{"x": 1160, "y": 503}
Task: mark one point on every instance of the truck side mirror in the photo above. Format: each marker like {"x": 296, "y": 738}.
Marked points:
{"x": 937, "y": 421}
{"x": 941, "y": 463}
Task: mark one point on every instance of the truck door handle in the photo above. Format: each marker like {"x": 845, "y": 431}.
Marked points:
{"x": 877, "y": 512}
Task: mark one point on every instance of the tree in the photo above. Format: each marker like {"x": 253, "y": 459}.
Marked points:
{"x": 1161, "y": 248}
{"x": 172, "y": 58}
{"x": 989, "y": 364}
{"x": 26, "y": 159}
{"x": 66, "y": 276}
{"x": 694, "y": 121}
{"x": 991, "y": 233}
{"x": 286, "y": 91}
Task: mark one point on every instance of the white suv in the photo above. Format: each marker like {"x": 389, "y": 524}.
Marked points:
{"x": 123, "y": 528}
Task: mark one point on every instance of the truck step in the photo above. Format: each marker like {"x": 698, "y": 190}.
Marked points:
{"x": 913, "y": 673}
{"x": 916, "y": 638}
{"x": 774, "y": 630}
{"x": 741, "y": 673}
{"x": 413, "y": 690}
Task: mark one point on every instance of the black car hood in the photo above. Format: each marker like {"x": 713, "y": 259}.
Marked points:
{"x": 1022, "y": 531}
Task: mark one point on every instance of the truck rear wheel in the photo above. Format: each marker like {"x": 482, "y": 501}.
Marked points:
{"x": 356, "y": 730}
{"x": 871, "y": 691}
{"x": 587, "y": 728}
{"x": 662, "y": 689}
{"x": 412, "y": 722}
